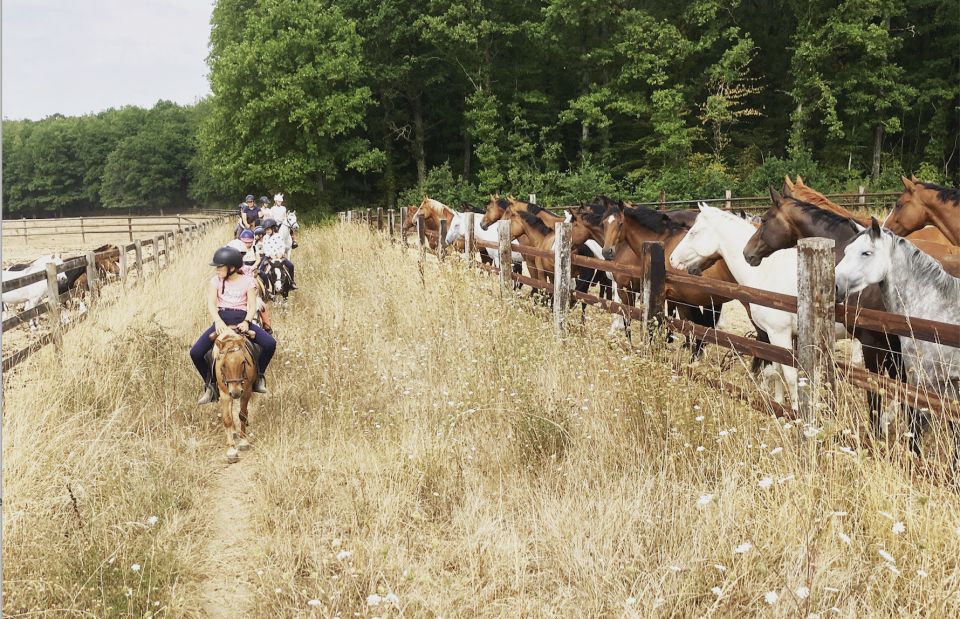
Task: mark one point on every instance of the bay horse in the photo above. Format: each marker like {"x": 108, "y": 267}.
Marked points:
{"x": 922, "y": 238}
{"x": 923, "y": 204}
{"x": 912, "y": 284}
{"x": 235, "y": 370}
{"x": 781, "y": 227}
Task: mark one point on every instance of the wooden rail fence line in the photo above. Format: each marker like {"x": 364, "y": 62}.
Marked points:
{"x": 105, "y": 224}
{"x": 172, "y": 243}
{"x": 814, "y": 306}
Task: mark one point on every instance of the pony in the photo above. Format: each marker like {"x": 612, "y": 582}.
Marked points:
{"x": 235, "y": 370}
{"x": 279, "y": 279}
{"x": 912, "y": 284}
{"x": 923, "y": 204}
{"x": 719, "y": 233}
{"x": 33, "y": 294}
{"x": 456, "y": 231}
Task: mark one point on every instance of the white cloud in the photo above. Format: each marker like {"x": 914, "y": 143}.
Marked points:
{"x": 75, "y": 57}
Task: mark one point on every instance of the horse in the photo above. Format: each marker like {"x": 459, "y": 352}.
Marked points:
{"x": 279, "y": 279}
{"x": 913, "y": 284}
{"x": 790, "y": 220}
{"x": 924, "y": 204}
{"x": 718, "y": 233}
{"x": 31, "y": 295}
{"x": 489, "y": 255}
{"x": 410, "y": 223}
{"x": 928, "y": 238}
{"x": 235, "y": 370}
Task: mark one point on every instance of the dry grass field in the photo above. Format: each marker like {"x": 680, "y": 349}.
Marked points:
{"x": 429, "y": 449}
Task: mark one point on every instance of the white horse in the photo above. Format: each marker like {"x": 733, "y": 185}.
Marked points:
{"x": 717, "y": 232}
{"x": 31, "y": 295}
{"x": 490, "y": 235}
{"x": 912, "y": 284}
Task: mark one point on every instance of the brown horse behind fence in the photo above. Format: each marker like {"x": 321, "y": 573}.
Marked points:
{"x": 924, "y": 204}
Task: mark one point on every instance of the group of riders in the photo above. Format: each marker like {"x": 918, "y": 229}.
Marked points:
{"x": 235, "y": 294}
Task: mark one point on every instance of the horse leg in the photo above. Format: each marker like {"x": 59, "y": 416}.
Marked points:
{"x": 241, "y": 420}
{"x": 784, "y": 338}
{"x": 758, "y": 364}
{"x": 874, "y": 360}
{"x": 919, "y": 421}
{"x": 226, "y": 412}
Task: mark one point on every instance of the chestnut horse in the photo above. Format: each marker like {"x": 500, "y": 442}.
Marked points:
{"x": 805, "y": 193}
{"x": 235, "y": 369}
{"x": 924, "y": 204}
{"x": 410, "y": 223}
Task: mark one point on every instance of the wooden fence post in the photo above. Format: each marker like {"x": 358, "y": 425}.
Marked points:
{"x": 663, "y": 200}
{"x": 123, "y": 266}
{"x": 533, "y": 198}
{"x": 442, "y": 240}
{"x": 421, "y": 230}
{"x": 53, "y": 305}
{"x": 138, "y": 250}
{"x": 727, "y": 194}
{"x": 350, "y": 216}
{"x": 654, "y": 284}
{"x": 506, "y": 256}
{"x": 467, "y": 223}
{"x": 179, "y": 225}
{"x": 379, "y": 219}
{"x": 815, "y": 323}
{"x": 92, "y": 277}
{"x": 391, "y": 219}
{"x": 83, "y": 235}
{"x": 421, "y": 247}
{"x": 862, "y": 199}
{"x": 561, "y": 275}
{"x": 23, "y": 220}
{"x": 156, "y": 256}
{"x": 370, "y": 218}
{"x": 130, "y": 228}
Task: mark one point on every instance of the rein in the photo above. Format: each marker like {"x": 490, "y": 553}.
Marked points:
{"x": 247, "y": 360}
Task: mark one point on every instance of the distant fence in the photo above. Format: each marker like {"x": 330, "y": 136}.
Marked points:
{"x": 860, "y": 199}
{"x": 162, "y": 249}
{"x": 814, "y": 305}
{"x": 129, "y": 226}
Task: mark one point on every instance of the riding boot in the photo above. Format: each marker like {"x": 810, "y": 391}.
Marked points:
{"x": 260, "y": 386}
{"x": 210, "y": 394}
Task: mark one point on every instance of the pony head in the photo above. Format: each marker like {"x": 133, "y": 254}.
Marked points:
{"x": 909, "y": 213}
{"x": 866, "y": 260}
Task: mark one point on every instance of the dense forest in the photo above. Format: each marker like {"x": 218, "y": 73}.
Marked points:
{"x": 347, "y": 102}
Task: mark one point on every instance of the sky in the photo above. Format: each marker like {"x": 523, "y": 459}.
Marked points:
{"x": 76, "y": 57}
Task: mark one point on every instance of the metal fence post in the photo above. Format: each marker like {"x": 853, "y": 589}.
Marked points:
{"x": 815, "y": 323}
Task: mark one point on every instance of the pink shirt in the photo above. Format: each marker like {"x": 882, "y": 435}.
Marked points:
{"x": 233, "y": 295}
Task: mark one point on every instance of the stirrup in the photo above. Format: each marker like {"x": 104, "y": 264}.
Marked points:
{"x": 260, "y": 385}
{"x": 210, "y": 394}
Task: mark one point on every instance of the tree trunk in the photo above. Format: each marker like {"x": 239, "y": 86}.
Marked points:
{"x": 466, "y": 153}
{"x": 389, "y": 175}
{"x": 418, "y": 141}
{"x": 877, "y": 148}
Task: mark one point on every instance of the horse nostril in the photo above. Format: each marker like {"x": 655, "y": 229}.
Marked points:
{"x": 607, "y": 253}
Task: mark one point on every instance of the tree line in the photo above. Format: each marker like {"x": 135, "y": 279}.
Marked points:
{"x": 346, "y": 102}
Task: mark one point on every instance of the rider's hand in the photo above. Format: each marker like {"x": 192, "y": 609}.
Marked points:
{"x": 243, "y": 327}
{"x": 220, "y": 326}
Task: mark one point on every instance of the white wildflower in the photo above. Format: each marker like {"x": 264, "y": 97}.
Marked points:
{"x": 675, "y": 568}
{"x": 391, "y": 598}
{"x": 152, "y": 520}
{"x": 135, "y": 567}
{"x": 803, "y": 592}
{"x": 743, "y": 548}
{"x": 717, "y": 591}
{"x": 701, "y": 448}
{"x": 886, "y": 556}
{"x": 771, "y": 597}
{"x": 698, "y": 418}
{"x": 344, "y": 554}
{"x": 720, "y": 567}
{"x": 314, "y": 602}
{"x": 844, "y": 538}
{"x": 631, "y": 601}
{"x": 374, "y": 600}
{"x": 898, "y": 528}
{"x": 765, "y": 483}
{"x": 775, "y": 451}
{"x": 704, "y": 500}
{"x": 922, "y": 573}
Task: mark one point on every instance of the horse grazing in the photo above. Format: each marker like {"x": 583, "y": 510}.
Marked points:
{"x": 912, "y": 284}
{"x": 235, "y": 370}
{"x": 280, "y": 281}
{"x": 923, "y": 204}
{"x": 781, "y": 227}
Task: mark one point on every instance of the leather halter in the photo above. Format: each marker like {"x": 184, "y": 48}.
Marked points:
{"x": 243, "y": 366}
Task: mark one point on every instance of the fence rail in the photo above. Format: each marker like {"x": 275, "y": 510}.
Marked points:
{"x": 26, "y": 229}
{"x": 167, "y": 245}
{"x": 814, "y": 306}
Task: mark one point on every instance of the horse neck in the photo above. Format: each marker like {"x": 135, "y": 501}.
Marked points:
{"x": 944, "y": 216}
{"x": 732, "y": 239}
{"x": 906, "y": 291}
{"x": 636, "y": 234}
{"x": 533, "y": 233}
{"x": 809, "y": 227}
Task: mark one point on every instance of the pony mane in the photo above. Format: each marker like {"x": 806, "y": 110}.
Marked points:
{"x": 925, "y": 264}
{"x": 657, "y": 221}
{"x": 812, "y": 196}
{"x": 944, "y": 194}
{"x": 820, "y": 215}
{"x": 438, "y": 207}
{"x": 534, "y": 222}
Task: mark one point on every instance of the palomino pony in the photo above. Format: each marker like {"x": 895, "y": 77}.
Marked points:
{"x": 235, "y": 370}
{"x": 913, "y": 285}
{"x": 781, "y": 227}
{"x": 923, "y": 204}
{"x": 716, "y": 232}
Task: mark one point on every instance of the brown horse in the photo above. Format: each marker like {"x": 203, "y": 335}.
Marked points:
{"x": 805, "y": 193}
{"x": 923, "y": 204}
{"x": 235, "y": 370}
{"x": 410, "y": 223}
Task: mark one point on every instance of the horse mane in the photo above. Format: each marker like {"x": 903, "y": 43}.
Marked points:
{"x": 944, "y": 194}
{"x": 503, "y": 203}
{"x": 534, "y": 222}
{"x": 819, "y": 215}
{"x": 924, "y": 264}
{"x": 592, "y": 216}
{"x": 656, "y": 221}
{"x": 439, "y": 207}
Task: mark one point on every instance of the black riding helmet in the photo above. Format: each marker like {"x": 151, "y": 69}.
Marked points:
{"x": 264, "y": 200}
{"x": 227, "y": 257}
{"x": 270, "y": 223}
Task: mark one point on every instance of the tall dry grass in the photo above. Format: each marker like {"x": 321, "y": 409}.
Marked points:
{"x": 428, "y": 449}
{"x": 434, "y": 443}
{"x": 105, "y": 458}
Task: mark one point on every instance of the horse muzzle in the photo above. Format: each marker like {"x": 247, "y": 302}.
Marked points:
{"x": 695, "y": 270}
{"x": 607, "y": 253}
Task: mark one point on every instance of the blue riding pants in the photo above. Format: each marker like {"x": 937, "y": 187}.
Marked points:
{"x": 202, "y": 346}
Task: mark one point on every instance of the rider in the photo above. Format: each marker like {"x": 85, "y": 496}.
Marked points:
{"x": 264, "y": 209}
{"x": 249, "y": 214}
{"x": 275, "y": 248}
{"x": 251, "y": 266}
{"x": 231, "y": 300}
{"x": 258, "y": 233}
{"x": 279, "y": 213}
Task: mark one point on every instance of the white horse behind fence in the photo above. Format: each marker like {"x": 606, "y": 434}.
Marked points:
{"x": 33, "y": 294}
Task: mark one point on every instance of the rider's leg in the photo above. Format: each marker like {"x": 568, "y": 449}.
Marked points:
{"x": 268, "y": 345}
{"x": 198, "y": 353}
{"x": 293, "y": 280}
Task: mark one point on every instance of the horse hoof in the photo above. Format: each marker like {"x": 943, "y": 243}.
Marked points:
{"x": 232, "y": 456}
{"x": 243, "y": 445}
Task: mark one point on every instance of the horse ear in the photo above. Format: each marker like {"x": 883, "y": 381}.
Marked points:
{"x": 799, "y": 180}
{"x": 874, "y": 228}
{"x": 742, "y": 213}
{"x": 786, "y": 191}
{"x": 787, "y": 182}
{"x": 907, "y": 183}
{"x": 914, "y": 178}
{"x": 775, "y": 196}
{"x": 857, "y": 228}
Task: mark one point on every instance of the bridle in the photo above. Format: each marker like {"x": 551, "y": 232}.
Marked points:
{"x": 243, "y": 366}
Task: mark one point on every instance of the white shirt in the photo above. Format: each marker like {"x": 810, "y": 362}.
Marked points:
{"x": 274, "y": 246}
{"x": 279, "y": 213}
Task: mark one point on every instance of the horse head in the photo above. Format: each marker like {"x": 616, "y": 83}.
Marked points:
{"x": 494, "y": 211}
{"x": 910, "y": 211}
{"x": 235, "y": 364}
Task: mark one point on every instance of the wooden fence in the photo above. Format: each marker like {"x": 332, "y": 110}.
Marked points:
{"x": 24, "y": 229}
{"x": 814, "y": 305}
{"x": 162, "y": 249}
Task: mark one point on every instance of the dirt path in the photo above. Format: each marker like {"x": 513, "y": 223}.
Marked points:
{"x": 228, "y": 592}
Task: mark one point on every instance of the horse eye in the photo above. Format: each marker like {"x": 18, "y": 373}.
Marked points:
{"x": 867, "y": 254}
